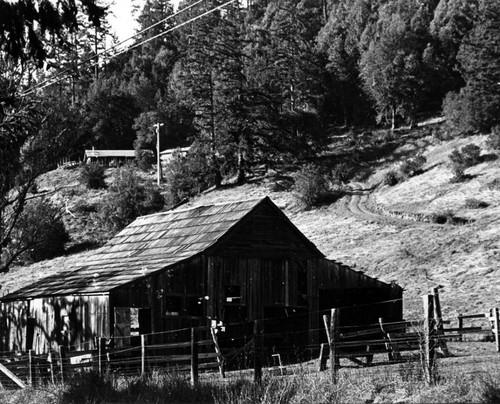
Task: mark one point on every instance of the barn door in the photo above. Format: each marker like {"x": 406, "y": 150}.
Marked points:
{"x": 130, "y": 323}
{"x": 122, "y": 327}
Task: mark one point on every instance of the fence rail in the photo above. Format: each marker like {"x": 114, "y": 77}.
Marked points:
{"x": 422, "y": 339}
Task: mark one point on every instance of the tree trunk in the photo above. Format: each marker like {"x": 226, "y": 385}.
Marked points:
{"x": 241, "y": 167}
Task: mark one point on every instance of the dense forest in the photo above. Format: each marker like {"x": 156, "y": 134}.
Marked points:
{"x": 258, "y": 82}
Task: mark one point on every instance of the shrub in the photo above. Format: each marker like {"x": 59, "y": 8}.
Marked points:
{"x": 92, "y": 176}
{"x": 128, "y": 198}
{"x": 471, "y": 154}
{"x": 473, "y": 203}
{"x": 391, "y": 178}
{"x": 144, "y": 158}
{"x": 342, "y": 172}
{"x": 413, "y": 165}
{"x": 468, "y": 156}
{"x": 443, "y": 217}
{"x": 39, "y": 233}
{"x": 189, "y": 175}
{"x": 493, "y": 141}
{"x": 312, "y": 187}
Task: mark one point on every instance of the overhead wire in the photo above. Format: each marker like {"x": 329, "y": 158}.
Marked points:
{"x": 62, "y": 75}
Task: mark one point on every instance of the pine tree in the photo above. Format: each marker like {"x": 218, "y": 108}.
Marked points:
{"x": 477, "y": 105}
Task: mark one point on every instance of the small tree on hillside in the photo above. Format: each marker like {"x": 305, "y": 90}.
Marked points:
{"x": 128, "y": 199}
{"x": 39, "y": 233}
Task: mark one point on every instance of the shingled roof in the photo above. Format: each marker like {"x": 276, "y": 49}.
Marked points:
{"x": 149, "y": 244}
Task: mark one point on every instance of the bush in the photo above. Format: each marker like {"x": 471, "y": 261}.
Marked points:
{"x": 467, "y": 156}
{"x": 189, "y": 175}
{"x": 92, "y": 176}
{"x": 39, "y": 233}
{"x": 342, "y": 172}
{"x": 128, "y": 199}
{"x": 413, "y": 166}
{"x": 493, "y": 141}
{"x": 473, "y": 203}
{"x": 391, "y": 178}
{"x": 471, "y": 155}
{"x": 312, "y": 187}
{"x": 145, "y": 159}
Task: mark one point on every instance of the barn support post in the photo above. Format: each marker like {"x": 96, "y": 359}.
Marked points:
{"x": 194, "y": 357}
{"x": 50, "y": 359}
{"x": 62, "y": 361}
{"x": 496, "y": 331}
{"x": 30, "y": 367}
{"x": 438, "y": 319}
{"x": 429, "y": 336}
{"x": 257, "y": 351}
{"x": 334, "y": 339}
{"x": 143, "y": 354}
{"x": 101, "y": 353}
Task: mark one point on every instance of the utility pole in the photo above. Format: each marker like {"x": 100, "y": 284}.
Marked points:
{"x": 159, "y": 176}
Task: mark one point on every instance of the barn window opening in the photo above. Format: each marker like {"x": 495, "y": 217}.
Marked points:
{"x": 233, "y": 294}
{"x": 194, "y": 306}
{"x": 173, "y": 305}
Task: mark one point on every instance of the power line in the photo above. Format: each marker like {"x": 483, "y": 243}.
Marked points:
{"x": 52, "y": 80}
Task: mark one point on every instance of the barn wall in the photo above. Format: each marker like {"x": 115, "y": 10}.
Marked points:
{"x": 361, "y": 299}
{"x": 13, "y": 325}
{"x": 171, "y": 299}
{"x": 45, "y": 323}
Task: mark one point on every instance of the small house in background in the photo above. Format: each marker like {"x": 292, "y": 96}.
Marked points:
{"x": 219, "y": 265}
{"x": 167, "y": 155}
{"x": 109, "y": 157}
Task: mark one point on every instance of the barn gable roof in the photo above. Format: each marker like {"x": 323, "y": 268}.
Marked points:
{"x": 147, "y": 245}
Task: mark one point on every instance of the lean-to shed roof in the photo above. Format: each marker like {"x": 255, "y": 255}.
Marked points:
{"x": 109, "y": 153}
{"x": 149, "y": 244}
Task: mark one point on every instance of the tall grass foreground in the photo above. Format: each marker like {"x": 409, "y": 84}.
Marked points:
{"x": 397, "y": 384}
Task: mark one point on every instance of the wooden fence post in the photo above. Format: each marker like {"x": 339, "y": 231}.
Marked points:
{"x": 438, "y": 319}
{"x": 50, "y": 359}
{"x": 334, "y": 339}
{"x": 429, "y": 335}
{"x": 496, "y": 322}
{"x": 101, "y": 353}
{"x": 257, "y": 351}
{"x": 194, "y": 357}
{"x": 143, "y": 354}
{"x": 220, "y": 358}
{"x": 62, "y": 358}
{"x": 460, "y": 326}
{"x": 30, "y": 366}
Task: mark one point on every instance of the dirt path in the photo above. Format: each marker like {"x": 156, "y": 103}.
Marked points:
{"x": 357, "y": 205}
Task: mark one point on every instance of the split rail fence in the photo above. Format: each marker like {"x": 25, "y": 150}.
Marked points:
{"x": 196, "y": 350}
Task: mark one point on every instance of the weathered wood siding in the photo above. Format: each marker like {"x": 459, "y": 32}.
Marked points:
{"x": 45, "y": 323}
{"x": 265, "y": 233}
{"x": 14, "y": 320}
{"x": 362, "y": 299}
{"x": 174, "y": 297}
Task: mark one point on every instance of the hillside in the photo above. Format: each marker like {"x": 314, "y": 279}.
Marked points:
{"x": 384, "y": 231}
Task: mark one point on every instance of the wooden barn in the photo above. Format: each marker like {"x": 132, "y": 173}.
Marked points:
{"x": 223, "y": 265}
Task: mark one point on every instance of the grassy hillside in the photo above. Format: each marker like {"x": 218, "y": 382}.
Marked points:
{"x": 378, "y": 231}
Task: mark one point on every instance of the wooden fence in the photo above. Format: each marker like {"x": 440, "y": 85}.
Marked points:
{"x": 197, "y": 350}
{"x": 192, "y": 356}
